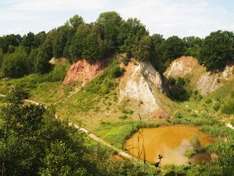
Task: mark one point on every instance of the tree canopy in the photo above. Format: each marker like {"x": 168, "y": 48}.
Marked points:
{"x": 108, "y": 35}
{"x": 217, "y": 50}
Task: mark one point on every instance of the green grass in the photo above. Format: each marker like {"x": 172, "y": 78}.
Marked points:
{"x": 116, "y": 133}
{"x": 44, "y": 88}
{"x": 223, "y": 91}
{"x": 95, "y": 102}
{"x": 50, "y": 92}
{"x": 38, "y": 87}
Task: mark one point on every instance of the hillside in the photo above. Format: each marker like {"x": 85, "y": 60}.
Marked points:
{"x": 107, "y": 98}
{"x": 199, "y": 79}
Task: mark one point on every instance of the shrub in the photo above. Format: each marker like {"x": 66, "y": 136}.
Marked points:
{"x": 216, "y": 106}
{"x": 117, "y": 71}
{"x": 228, "y": 107}
{"x": 15, "y": 65}
{"x": 58, "y": 73}
{"x": 177, "y": 90}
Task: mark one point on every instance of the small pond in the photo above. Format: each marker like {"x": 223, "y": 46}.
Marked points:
{"x": 171, "y": 143}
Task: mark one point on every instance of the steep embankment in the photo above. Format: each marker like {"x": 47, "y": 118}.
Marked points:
{"x": 83, "y": 71}
{"x": 199, "y": 79}
{"x": 142, "y": 85}
{"x": 105, "y": 98}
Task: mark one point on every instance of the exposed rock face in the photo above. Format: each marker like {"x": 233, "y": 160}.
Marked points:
{"x": 228, "y": 73}
{"x": 58, "y": 61}
{"x": 201, "y": 80}
{"x": 208, "y": 83}
{"x": 181, "y": 67}
{"x": 138, "y": 84}
{"x": 83, "y": 71}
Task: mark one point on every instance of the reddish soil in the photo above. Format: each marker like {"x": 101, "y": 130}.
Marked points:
{"x": 83, "y": 71}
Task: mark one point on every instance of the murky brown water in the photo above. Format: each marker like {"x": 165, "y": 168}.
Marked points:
{"x": 171, "y": 142}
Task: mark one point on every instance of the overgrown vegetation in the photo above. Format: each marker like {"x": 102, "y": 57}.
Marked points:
{"x": 177, "y": 89}
{"x": 33, "y": 142}
{"x": 228, "y": 106}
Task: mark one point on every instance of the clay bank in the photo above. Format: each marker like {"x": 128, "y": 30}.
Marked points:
{"x": 170, "y": 145}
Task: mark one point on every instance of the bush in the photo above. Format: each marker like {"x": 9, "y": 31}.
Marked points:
{"x": 17, "y": 95}
{"x": 171, "y": 49}
{"x": 228, "y": 107}
{"x": 117, "y": 71}
{"x": 58, "y": 73}
{"x": 177, "y": 90}
{"x": 16, "y": 64}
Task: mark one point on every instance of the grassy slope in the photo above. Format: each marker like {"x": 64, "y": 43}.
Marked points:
{"x": 95, "y": 103}
{"x": 96, "y": 106}
{"x": 39, "y": 88}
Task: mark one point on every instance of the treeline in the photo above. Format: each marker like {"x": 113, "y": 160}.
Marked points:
{"x": 109, "y": 34}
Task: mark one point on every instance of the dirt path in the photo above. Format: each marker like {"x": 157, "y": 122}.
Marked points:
{"x": 92, "y": 136}
{"x": 101, "y": 141}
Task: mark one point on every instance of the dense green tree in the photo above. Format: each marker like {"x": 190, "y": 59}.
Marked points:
{"x": 217, "y": 50}
{"x": 28, "y": 41}
{"x": 131, "y": 32}
{"x": 193, "y": 46}
{"x": 1, "y": 57}
{"x": 142, "y": 50}
{"x": 61, "y": 160}
{"x": 171, "y": 49}
{"x": 32, "y": 60}
{"x": 75, "y": 21}
{"x": 226, "y": 159}
{"x": 111, "y": 22}
{"x": 156, "y": 57}
{"x": 77, "y": 44}
{"x": 33, "y": 142}
{"x": 60, "y": 41}
{"x": 88, "y": 43}
{"x": 15, "y": 64}
{"x": 40, "y": 38}
{"x": 111, "y": 34}
{"x": 17, "y": 95}
{"x": 45, "y": 53}
{"x": 9, "y": 41}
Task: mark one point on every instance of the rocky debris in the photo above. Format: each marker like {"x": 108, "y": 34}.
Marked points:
{"x": 181, "y": 67}
{"x": 83, "y": 71}
{"x": 138, "y": 83}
